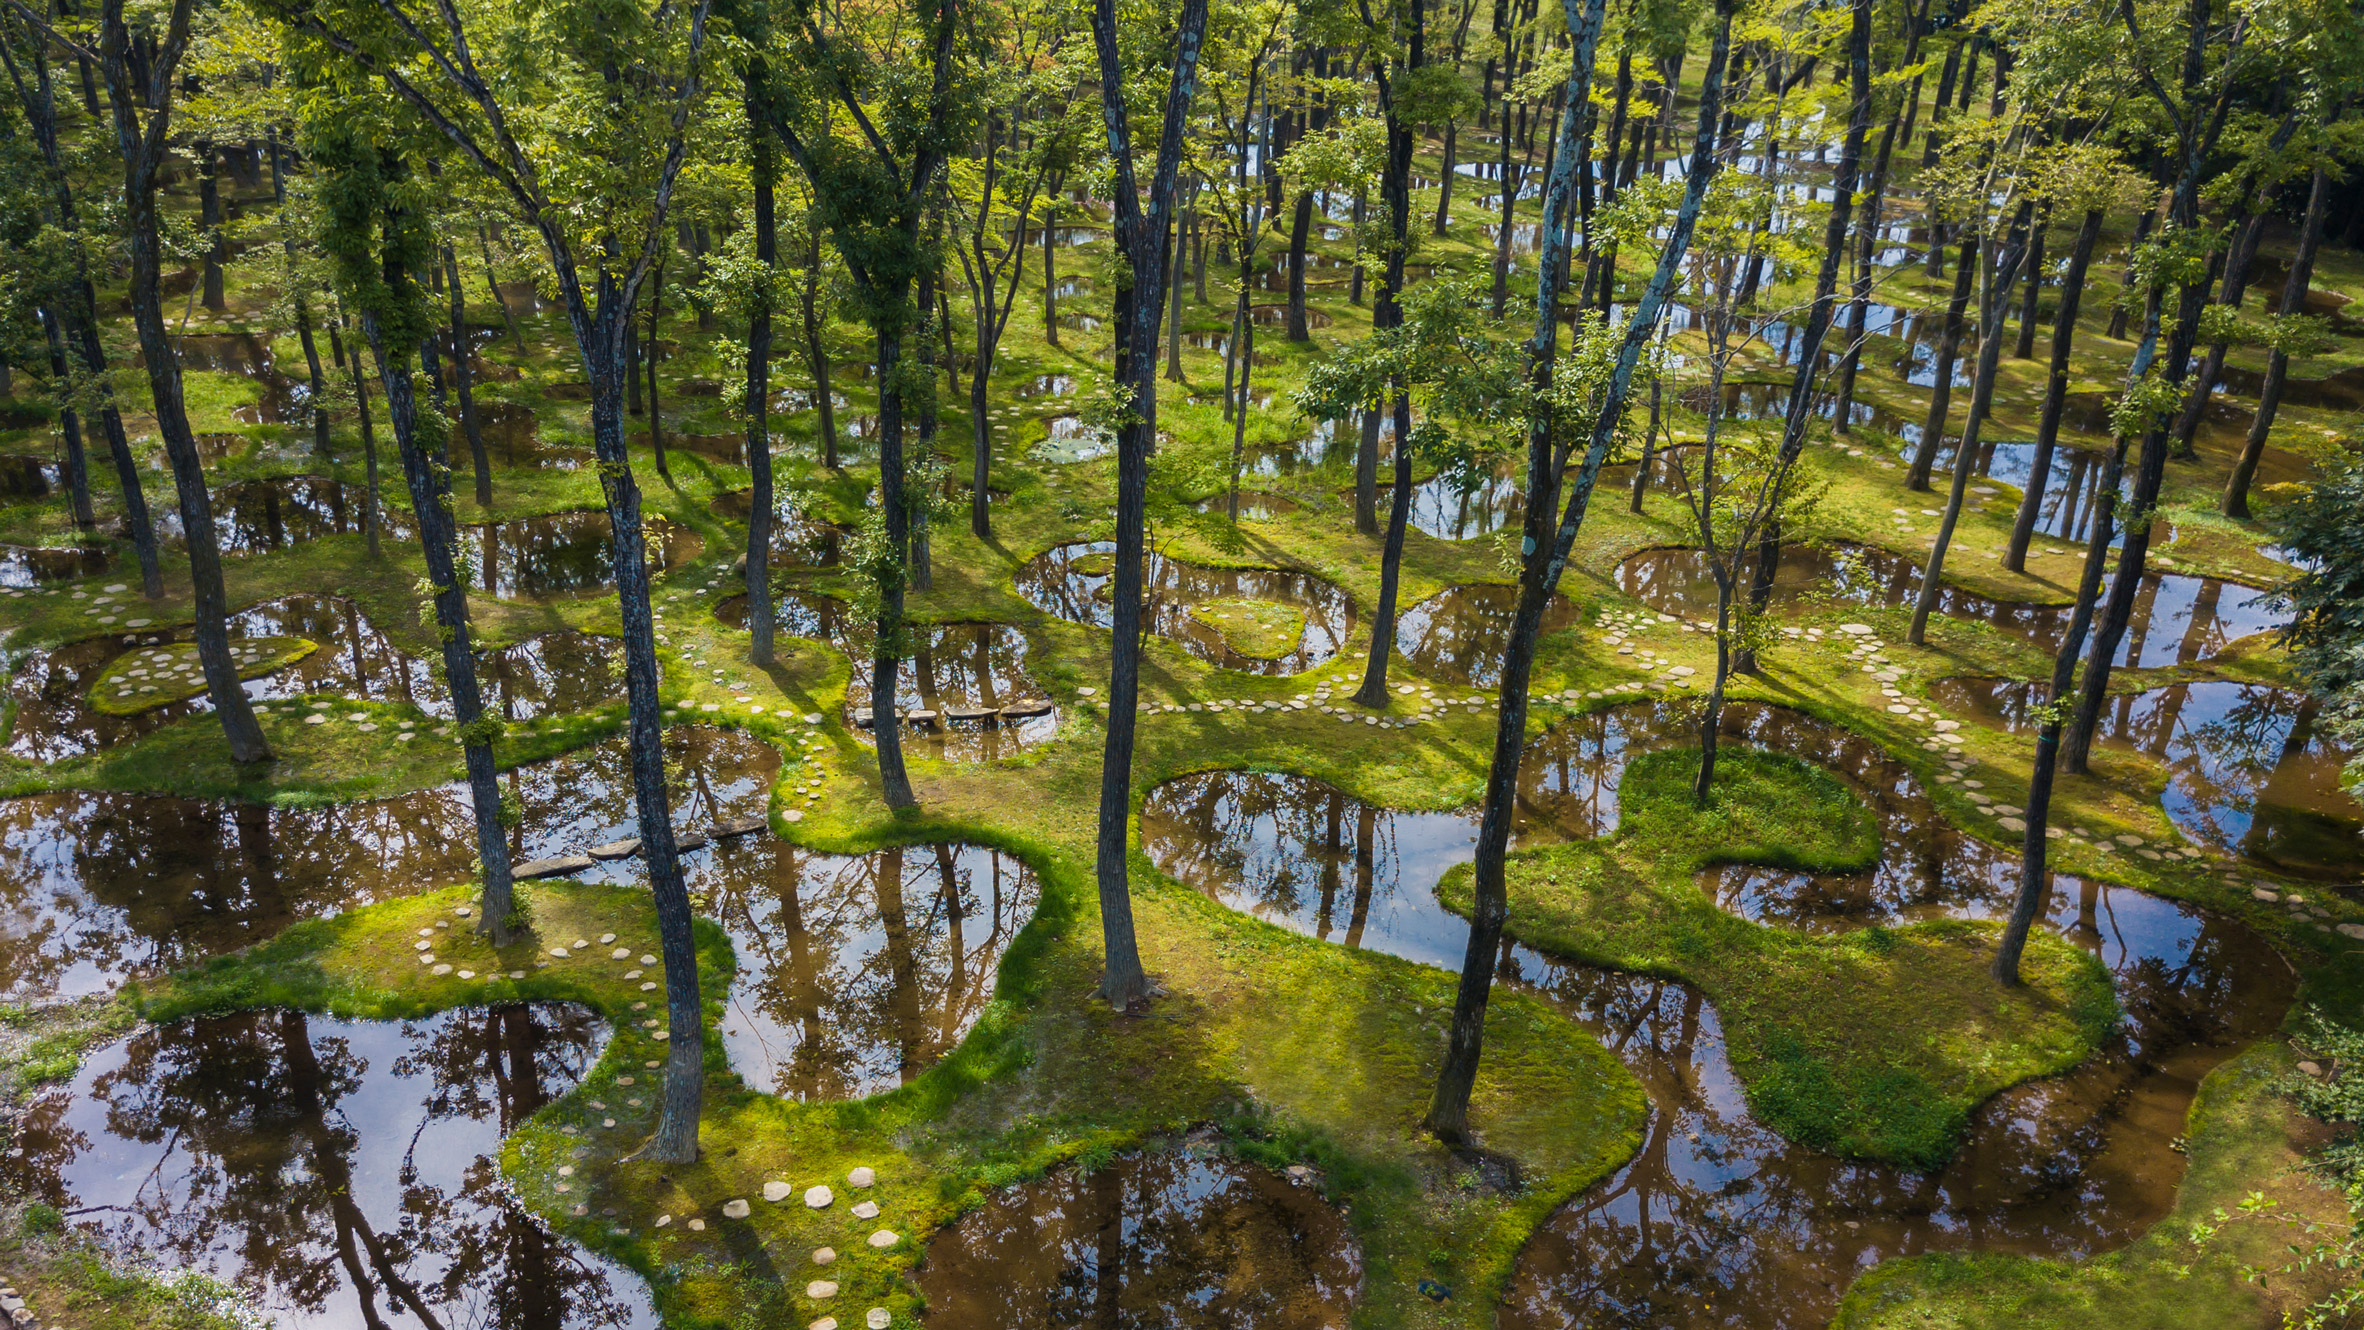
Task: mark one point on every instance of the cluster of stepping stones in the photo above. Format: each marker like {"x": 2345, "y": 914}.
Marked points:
{"x": 21, "y": 1317}
{"x": 106, "y": 608}
{"x": 560, "y": 865}
{"x": 321, "y": 711}
{"x": 818, "y": 1197}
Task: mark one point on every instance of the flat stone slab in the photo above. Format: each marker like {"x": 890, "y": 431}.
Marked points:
{"x": 972, "y": 713}
{"x": 556, "y": 866}
{"x": 776, "y": 1192}
{"x": 739, "y": 826}
{"x": 617, "y": 849}
{"x": 1030, "y": 707}
{"x": 695, "y": 840}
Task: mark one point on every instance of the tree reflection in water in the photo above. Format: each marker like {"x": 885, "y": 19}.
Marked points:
{"x": 857, "y": 973}
{"x": 337, "y": 1173}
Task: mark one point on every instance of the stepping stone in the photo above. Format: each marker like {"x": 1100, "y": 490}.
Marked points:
{"x": 556, "y": 866}
{"x": 864, "y": 1176}
{"x": 820, "y": 1288}
{"x": 738, "y": 826}
{"x": 866, "y": 1210}
{"x": 617, "y": 849}
{"x": 825, "y": 1323}
{"x": 883, "y": 1239}
{"x": 696, "y": 840}
{"x": 1029, "y": 707}
{"x": 736, "y": 1208}
{"x": 776, "y": 1192}
{"x": 972, "y": 713}
{"x": 818, "y": 1198}
{"x": 922, "y": 716}
{"x": 877, "y": 1318}
{"x": 824, "y": 1255}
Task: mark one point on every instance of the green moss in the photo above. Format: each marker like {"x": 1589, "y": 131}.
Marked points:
{"x": 1258, "y": 628}
{"x": 68, "y": 1280}
{"x": 174, "y": 676}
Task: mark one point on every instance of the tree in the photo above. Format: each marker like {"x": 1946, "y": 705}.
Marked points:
{"x": 379, "y": 236}
{"x": 874, "y": 195}
{"x": 543, "y": 118}
{"x": 1144, "y": 226}
{"x": 997, "y": 196}
{"x": 74, "y": 314}
{"x": 1595, "y": 387}
{"x": 142, "y": 90}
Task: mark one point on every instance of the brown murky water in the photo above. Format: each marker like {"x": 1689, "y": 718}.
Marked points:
{"x": 562, "y": 554}
{"x": 1718, "y": 1221}
{"x": 2178, "y": 619}
{"x": 963, "y": 690}
{"x": 2249, "y": 771}
{"x": 262, "y": 516}
{"x": 335, "y": 1173}
{"x": 561, "y": 671}
{"x": 1186, "y": 1239}
{"x": 1073, "y": 582}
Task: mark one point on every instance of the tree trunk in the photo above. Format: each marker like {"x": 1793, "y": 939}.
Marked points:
{"x": 1544, "y": 552}
{"x": 209, "y": 216}
{"x": 430, "y": 499}
{"x": 142, "y": 148}
{"x": 1996, "y": 303}
{"x": 2035, "y": 290}
{"x": 1050, "y": 276}
{"x": 1395, "y": 186}
{"x": 601, "y": 337}
{"x": 1300, "y": 228}
{"x": 463, "y": 379}
{"x": 2033, "y": 879}
{"x": 1949, "y": 348}
{"x": 816, "y": 352}
{"x": 2269, "y": 397}
{"x": 1142, "y": 238}
{"x": 885, "y": 661}
{"x": 2064, "y": 332}
{"x": 69, "y": 423}
{"x": 759, "y": 390}
{"x": 2121, "y": 311}
{"x": 1444, "y": 186}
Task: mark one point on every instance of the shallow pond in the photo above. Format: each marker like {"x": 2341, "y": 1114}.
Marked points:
{"x": 963, "y": 690}
{"x": 1074, "y": 582}
{"x": 97, "y": 887}
{"x": 335, "y": 1173}
{"x": 2249, "y": 771}
{"x": 856, "y": 973}
{"x": 23, "y": 566}
{"x": 562, "y": 554}
{"x": 261, "y": 516}
{"x": 1186, "y": 1238}
{"x": 797, "y": 541}
{"x": 560, "y": 671}
{"x": 1717, "y": 1221}
{"x": 1459, "y": 634}
{"x": 2177, "y": 619}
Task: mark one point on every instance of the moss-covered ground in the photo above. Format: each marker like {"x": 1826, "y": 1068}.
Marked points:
{"x": 1874, "y": 1042}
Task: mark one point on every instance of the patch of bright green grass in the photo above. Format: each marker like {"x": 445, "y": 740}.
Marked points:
{"x": 1259, "y": 628}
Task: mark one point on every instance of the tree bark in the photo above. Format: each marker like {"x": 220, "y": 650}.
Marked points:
{"x": 2269, "y": 397}
{"x": 1544, "y": 551}
{"x": 2064, "y": 332}
{"x": 1142, "y": 236}
{"x": 1941, "y": 390}
{"x": 142, "y": 148}
{"x": 463, "y": 378}
{"x": 765, "y": 167}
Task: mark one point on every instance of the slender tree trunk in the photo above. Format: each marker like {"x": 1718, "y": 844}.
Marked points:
{"x": 142, "y": 148}
{"x": 1444, "y": 185}
{"x": 1809, "y": 358}
{"x": 2121, "y": 311}
{"x": 372, "y": 519}
{"x": 1143, "y": 237}
{"x": 885, "y": 660}
{"x": 2035, "y": 290}
{"x": 2269, "y": 398}
{"x": 765, "y": 167}
{"x": 816, "y": 351}
{"x": 1395, "y": 186}
{"x": 209, "y": 216}
{"x": 430, "y": 496}
{"x": 70, "y": 431}
{"x": 1300, "y": 228}
{"x": 1544, "y": 552}
{"x": 1050, "y": 276}
{"x": 1995, "y": 303}
{"x": 600, "y": 331}
{"x": 1949, "y": 349}
{"x": 492, "y": 283}
{"x": 463, "y": 379}
{"x": 2064, "y": 332}
{"x": 2033, "y": 879}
